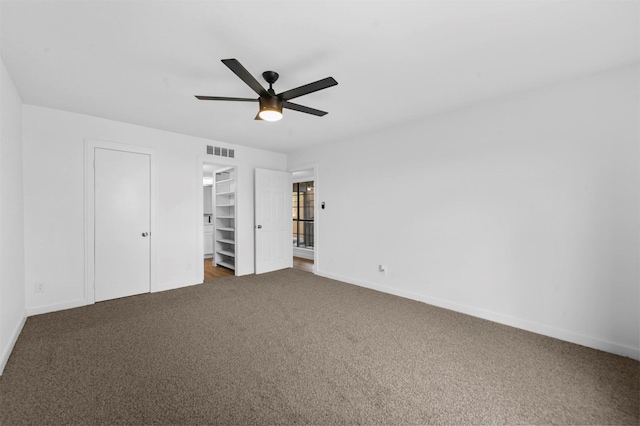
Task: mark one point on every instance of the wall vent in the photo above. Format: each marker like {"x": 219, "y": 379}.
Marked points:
{"x": 221, "y": 152}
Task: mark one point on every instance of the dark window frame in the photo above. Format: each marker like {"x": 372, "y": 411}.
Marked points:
{"x": 296, "y": 193}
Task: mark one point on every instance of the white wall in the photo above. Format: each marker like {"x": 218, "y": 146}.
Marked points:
{"x": 54, "y": 201}
{"x": 523, "y": 210}
{"x": 12, "y": 295}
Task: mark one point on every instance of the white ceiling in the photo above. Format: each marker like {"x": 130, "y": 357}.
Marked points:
{"x": 141, "y": 62}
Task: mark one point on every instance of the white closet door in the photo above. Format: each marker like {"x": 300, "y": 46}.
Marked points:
{"x": 122, "y": 223}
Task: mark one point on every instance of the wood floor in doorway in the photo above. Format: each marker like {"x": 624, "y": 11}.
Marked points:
{"x": 302, "y": 264}
{"x": 212, "y": 272}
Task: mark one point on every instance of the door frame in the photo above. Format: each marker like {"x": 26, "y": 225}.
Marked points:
{"x": 316, "y": 210}
{"x": 90, "y": 146}
{"x": 202, "y": 160}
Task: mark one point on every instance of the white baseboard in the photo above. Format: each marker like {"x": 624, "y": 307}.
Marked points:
{"x": 6, "y": 352}
{"x": 38, "y": 310}
{"x": 533, "y": 327}
{"x": 172, "y": 285}
{"x": 303, "y": 253}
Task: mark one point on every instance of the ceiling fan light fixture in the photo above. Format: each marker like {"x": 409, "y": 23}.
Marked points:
{"x": 270, "y": 109}
{"x": 270, "y": 115}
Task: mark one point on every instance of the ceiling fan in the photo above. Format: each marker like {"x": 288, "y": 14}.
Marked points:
{"x": 271, "y": 104}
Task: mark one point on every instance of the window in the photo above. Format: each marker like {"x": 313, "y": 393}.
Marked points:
{"x": 303, "y": 215}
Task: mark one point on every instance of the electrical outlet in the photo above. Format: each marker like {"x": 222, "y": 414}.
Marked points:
{"x": 39, "y": 287}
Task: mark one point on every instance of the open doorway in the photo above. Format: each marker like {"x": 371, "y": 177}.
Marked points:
{"x": 219, "y": 212}
{"x": 304, "y": 219}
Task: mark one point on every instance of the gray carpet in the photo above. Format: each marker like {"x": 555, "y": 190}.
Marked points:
{"x": 292, "y": 348}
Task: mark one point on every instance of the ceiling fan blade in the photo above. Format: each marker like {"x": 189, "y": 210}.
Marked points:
{"x": 302, "y": 108}
{"x": 222, "y": 98}
{"x": 308, "y": 88}
{"x": 235, "y": 66}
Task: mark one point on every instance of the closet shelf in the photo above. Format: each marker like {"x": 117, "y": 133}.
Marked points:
{"x": 226, "y": 241}
{"x": 225, "y": 180}
{"x": 227, "y": 265}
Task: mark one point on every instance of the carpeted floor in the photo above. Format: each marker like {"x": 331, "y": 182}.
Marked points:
{"x": 292, "y": 348}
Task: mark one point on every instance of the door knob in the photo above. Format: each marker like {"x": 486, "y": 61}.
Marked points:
{"x": 144, "y": 234}
{"x": 259, "y": 226}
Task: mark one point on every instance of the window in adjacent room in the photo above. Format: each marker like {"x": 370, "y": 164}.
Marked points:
{"x": 303, "y": 215}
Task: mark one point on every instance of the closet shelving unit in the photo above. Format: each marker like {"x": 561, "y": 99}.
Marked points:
{"x": 225, "y": 218}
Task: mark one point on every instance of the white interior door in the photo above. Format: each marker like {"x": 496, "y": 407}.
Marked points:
{"x": 122, "y": 223}
{"x": 273, "y": 220}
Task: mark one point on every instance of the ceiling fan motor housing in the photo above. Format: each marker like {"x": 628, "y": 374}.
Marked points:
{"x": 272, "y": 104}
